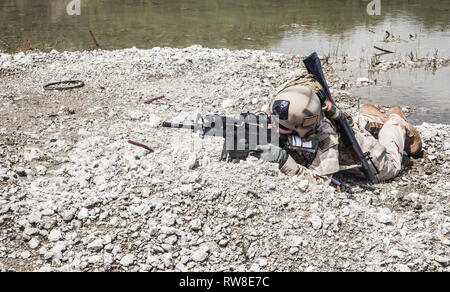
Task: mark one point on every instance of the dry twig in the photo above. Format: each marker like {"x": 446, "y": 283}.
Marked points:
{"x": 141, "y": 145}
{"x": 383, "y": 50}
{"x": 153, "y": 99}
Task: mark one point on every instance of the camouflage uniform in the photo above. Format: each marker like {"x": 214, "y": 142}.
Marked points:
{"x": 331, "y": 157}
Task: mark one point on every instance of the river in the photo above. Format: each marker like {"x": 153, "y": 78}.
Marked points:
{"x": 335, "y": 28}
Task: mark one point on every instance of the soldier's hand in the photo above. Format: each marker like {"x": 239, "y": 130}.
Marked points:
{"x": 271, "y": 153}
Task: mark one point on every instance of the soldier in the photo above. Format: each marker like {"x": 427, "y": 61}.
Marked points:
{"x": 299, "y": 110}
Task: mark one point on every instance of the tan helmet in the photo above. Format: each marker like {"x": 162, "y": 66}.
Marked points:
{"x": 298, "y": 108}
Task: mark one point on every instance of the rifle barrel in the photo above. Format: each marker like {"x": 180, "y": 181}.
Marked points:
{"x": 178, "y": 126}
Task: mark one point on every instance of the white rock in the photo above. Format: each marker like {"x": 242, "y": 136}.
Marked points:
{"x": 96, "y": 244}
{"x": 402, "y": 268}
{"x": 168, "y": 219}
{"x": 386, "y": 217}
{"x": 362, "y": 80}
{"x": 200, "y": 255}
{"x": 316, "y": 222}
{"x": 195, "y": 224}
{"x": 54, "y": 235}
{"x": 396, "y": 253}
{"x": 68, "y": 215}
{"x": 444, "y": 240}
{"x": 442, "y": 260}
{"x": 94, "y": 259}
{"x": 41, "y": 170}
{"x": 447, "y": 145}
{"x": 34, "y": 217}
{"x": 303, "y": 185}
{"x": 297, "y": 241}
{"x": 192, "y": 160}
{"x": 262, "y": 262}
{"x": 180, "y": 267}
{"x": 108, "y": 259}
{"x": 127, "y": 260}
{"x": 25, "y": 254}
{"x": 227, "y": 103}
{"x": 58, "y": 248}
{"x": 33, "y": 243}
{"x": 31, "y": 154}
{"x": 83, "y": 214}
{"x": 154, "y": 121}
{"x": 255, "y": 268}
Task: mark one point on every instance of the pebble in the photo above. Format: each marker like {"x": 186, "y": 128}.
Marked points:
{"x": 255, "y": 268}
{"x": 88, "y": 200}
{"x": 271, "y": 186}
{"x": 200, "y": 255}
{"x": 297, "y": 241}
{"x": 25, "y": 254}
{"x": 54, "y": 235}
{"x": 195, "y": 224}
{"x": 442, "y": 260}
{"x": 191, "y": 162}
{"x": 127, "y": 260}
{"x": 96, "y": 245}
{"x": 262, "y": 262}
{"x": 386, "y": 217}
{"x": 33, "y": 243}
{"x": 83, "y": 214}
{"x": 402, "y": 268}
{"x": 68, "y": 215}
{"x": 316, "y": 222}
{"x": 34, "y": 218}
{"x": 168, "y": 219}
{"x": 362, "y": 80}
{"x": 303, "y": 185}
{"x": 444, "y": 240}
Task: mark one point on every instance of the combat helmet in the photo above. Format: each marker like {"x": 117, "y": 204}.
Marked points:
{"x": 298, "y": 108}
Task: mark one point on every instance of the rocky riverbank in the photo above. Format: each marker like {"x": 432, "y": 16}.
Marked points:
{"x": 74, "y": 195}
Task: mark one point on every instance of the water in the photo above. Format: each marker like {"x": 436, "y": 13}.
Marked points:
{"x": 426, "y": 91}
{"x": 335, "y": 28}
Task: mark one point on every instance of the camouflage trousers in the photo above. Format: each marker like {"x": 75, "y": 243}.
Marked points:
{"x": 387, "y": 150}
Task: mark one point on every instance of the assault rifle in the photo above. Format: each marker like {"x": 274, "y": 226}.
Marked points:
{"x": 243, "y": 134}
{"x": 314, "y": 67}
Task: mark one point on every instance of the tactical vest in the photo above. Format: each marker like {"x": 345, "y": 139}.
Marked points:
{"x": 304, "y": 80}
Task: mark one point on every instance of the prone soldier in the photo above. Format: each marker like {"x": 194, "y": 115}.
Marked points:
{"x": 300, "y": 111}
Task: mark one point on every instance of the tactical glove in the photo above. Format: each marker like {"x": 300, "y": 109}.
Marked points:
{"x": 271, "y": 153}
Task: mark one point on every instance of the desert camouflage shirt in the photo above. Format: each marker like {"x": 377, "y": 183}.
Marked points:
{"x": 331, "y": 155}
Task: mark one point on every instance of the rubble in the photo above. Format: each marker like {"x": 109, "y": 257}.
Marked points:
{"x": 76, "y": 196}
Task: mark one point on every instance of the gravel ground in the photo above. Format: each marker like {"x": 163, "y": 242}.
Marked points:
{"x": 75, "y": 196}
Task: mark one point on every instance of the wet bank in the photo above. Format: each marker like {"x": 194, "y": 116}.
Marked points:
{"x": 412, "y": 30}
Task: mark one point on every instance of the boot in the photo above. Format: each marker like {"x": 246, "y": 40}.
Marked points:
{"x": 413, "y": 142}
